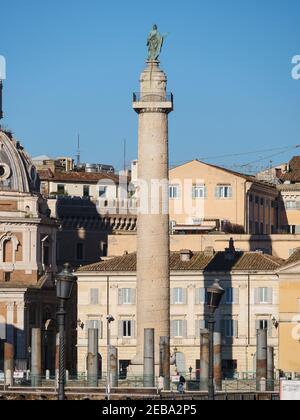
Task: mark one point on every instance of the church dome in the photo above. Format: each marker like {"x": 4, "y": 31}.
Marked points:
{"x": 17, "y": 173}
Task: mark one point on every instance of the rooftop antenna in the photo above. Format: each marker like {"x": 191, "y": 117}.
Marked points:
{"x": 78, "y": 151}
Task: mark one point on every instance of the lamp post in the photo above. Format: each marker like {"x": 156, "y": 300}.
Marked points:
{"x": 64, "y": 285}
{"x": 214, "y": 297}
{"x": 109, "y": 319}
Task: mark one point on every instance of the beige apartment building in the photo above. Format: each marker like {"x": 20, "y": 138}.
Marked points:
{"x": 289, "y": 315}
{"x": 251, "y": 302}
{"x": 230, "y": 202}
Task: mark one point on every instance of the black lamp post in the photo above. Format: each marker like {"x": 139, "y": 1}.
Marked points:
{"x": 64, "y": 286}
{"x": 214, "y": 297}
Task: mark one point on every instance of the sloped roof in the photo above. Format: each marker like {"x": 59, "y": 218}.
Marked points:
{"x": 294, "y": 258}
{"x": 247, "y": 177}
{"x": 242, "y": 261}
{"x": 76, "y": 177}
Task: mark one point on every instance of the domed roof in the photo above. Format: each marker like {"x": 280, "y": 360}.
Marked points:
{"x": 17, "y": 172}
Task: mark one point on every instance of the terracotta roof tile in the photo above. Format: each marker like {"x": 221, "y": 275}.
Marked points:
{"x": 76, "y": 176}
{"x": 248, "y": 261}
{"x": 294, "y": 258}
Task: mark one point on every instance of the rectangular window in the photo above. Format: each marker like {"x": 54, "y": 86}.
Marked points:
{"x": 61, "y": 189}
{"x": 86, "y": 191}
{"x": 199, "y": 191}
{"x": 174, "y": 191}
{"x": 126, "y": 328}
{"x": 7, "y": 277}
{"x": 94, "y": 296}
{"x": 264, "y": 296}
{"x": 79, "y": 251}
{"x": 201, "y": 296}
{"x": 127, "y": 296}
{"x": 179, "y": 296}
{"x": 263, "y": 324}
{"x": 230, "y": 328}
{"x": 232, "y": 296}
{"x": 224, "y": 191}
{"x": 291, "y": 205}
{"x": 178, "y": 328}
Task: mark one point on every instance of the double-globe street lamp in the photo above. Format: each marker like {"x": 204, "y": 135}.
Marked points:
{"x": 64, "y": 286}
{"x": 214, "y": 297}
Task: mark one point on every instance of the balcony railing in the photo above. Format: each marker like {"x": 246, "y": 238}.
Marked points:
{"x": 152, "y": 97}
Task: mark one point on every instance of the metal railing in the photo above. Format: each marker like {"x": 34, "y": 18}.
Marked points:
{"x": 152, "y": 97}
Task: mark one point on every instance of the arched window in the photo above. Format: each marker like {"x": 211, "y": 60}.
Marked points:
{"x": 8, "y": 251}
{"x": 8, "y": 248}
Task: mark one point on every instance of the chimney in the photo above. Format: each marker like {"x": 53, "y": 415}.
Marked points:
{"x": 230, "y": 252}
{"x": 186, "y": 255}
{"x": 209, "y": 251}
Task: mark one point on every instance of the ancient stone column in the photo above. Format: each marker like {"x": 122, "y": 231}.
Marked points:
{"x": 164, "y": 362}
{"x": 149, "y": 358}
{"x": 92, "y": 358}
{"x": 114, "y": 371}
{"x": 36, "y": 357}
{"x": 271, "y": 370}
{"x": 262, "y": 358}
{"x": 204, "y": 359}
{"x": 153, "y": 105}
{"x": 218, "y": 361}
{"x": 9, "y": 364}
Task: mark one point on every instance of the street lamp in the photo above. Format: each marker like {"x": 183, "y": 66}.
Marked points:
{"x": 64, "y": 285}
{"x": 214, "y": 297}
{"x": 109, "y": 320}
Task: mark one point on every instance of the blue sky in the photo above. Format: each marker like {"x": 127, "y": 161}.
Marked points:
{"x": 72, "y": 67}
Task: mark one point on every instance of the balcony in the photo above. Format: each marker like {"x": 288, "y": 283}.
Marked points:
{"x": 153, "y": 100}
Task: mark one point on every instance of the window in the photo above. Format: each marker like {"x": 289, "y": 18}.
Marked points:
{"x": 251, "y": 198}
{"x": 201, "y": 296}
{"x": 94, "y": 296}
{"x": 61, "y": 189}
{"x": 123, "y": 368}
{"x": 127, "y": 296}
{"x": 230, "y": 328}
{"x": 179, "y": 328}
{"x": 126, "y": 329}
{"x": 102, "y": 192}
{"x": 224, "y": 191}
{"x": 262, "y": 201}
{"x": 256, "y": 200}
{"x": 263, "y": 324}
{"x": 7, "y": 277}
{"x": 199, "y": 191}
{"x": 291, "y": 205}
{"x": 263, "y": 295}
{"x": 231, "y": 296}
{"x": 79, "y": 251}
{"x": 174, "y": 191}
{"x": 86, "y": 191}
{"x": 178, "y": 296}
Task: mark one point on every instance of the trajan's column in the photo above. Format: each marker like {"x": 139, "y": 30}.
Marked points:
{"x": 153, "y": 104}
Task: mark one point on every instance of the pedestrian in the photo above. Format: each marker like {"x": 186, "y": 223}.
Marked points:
{"x": 181, "y": 385}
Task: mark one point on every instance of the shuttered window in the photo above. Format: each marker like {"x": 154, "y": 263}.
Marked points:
{"x": 126, "y": 328}
{"x": 201, "y": 295}
{"x": 127, "y": 296}
{"x": 94, "y": 296}
{"x": 230, "y": 328}
{"x": 223, "y": 191}
{"x": 179, "y": 329}
{"x": 231, "y": 296}
{"x": 178, "y": 296}
{"x": 263, "y": 296}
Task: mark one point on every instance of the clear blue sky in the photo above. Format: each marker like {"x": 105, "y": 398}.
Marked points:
{"x": 72, "y": 66}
